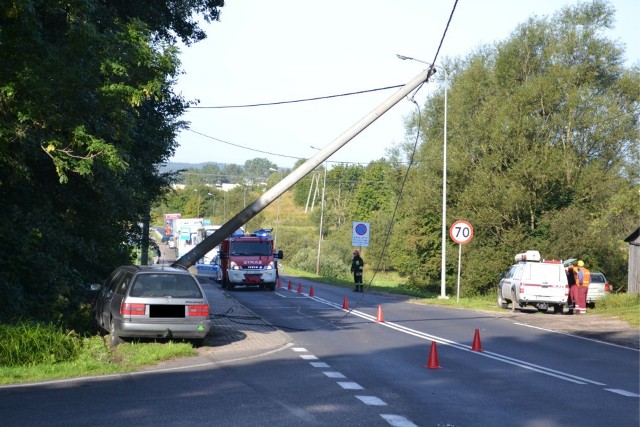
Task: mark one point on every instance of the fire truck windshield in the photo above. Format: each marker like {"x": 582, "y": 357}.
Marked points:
{"x": 256, "y": 248}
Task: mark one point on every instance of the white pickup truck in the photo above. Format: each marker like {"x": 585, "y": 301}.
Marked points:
{"x": 536, "y": 282}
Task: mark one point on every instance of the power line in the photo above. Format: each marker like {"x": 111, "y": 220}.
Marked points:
{"x": 277, "y": 154}
{"x": 300, "y": 100}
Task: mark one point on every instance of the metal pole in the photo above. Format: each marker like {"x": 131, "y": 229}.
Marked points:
{"x": 190, "y": 258}
{"x": 443, "y": 275}
{"x": 459, "y": 265}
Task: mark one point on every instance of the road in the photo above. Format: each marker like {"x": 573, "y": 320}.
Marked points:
{"x": 314, "y": 363}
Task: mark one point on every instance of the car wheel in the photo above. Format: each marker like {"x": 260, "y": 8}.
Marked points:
{"x": 513, "y": 300}
{"x": 197, "y": 342}
{"x": 543, "y": 307}
{"x": 272, "y": 286}
{"x": 558, "y": 308}
{"x": 114, "y": 339}
{"x": 502, "y": 303}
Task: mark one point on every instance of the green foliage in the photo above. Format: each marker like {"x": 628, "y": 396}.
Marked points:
{"x": 30, "y": 343}
{"x": 88, "y": 113}
{"x": 542, "y": 154}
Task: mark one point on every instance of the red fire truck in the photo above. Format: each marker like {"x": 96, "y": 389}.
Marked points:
{"x": 249, "y": 260}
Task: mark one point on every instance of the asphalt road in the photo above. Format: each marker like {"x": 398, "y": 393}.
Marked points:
{"x": 525, "y": 375}
{"x": 286, "y": 358}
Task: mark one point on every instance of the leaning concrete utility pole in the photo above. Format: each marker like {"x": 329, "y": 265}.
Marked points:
{"x": 228, "y": 228}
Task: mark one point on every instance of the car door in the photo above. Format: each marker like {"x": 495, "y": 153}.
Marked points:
{"x": 505, "y": 283}
{"x": 102, "y": 300}
{"x": 120, "y": 288}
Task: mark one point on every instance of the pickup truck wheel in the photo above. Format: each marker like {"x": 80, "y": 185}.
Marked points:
{"x": 558, "y": 308}
{"x": 272, "y": 286}
{"x": 513, "y": 300}
{"x": 502, "y": 303}
{"x": 543, "y": 306}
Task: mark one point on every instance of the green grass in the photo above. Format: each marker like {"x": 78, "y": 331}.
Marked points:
{"x": 93, "y": 355}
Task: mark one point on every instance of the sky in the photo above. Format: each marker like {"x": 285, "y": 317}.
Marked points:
{"x": 284, "y": 50}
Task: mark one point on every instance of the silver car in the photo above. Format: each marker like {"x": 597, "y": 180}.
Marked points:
{"x": 152, "y": 302}
{"x": 598, "y": 288}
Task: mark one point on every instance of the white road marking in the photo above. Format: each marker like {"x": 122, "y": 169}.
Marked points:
{"x": 308, "y": 357}
{"x": 347, "y": 385}
{"x": 371, "y": 400}
{"x": 622, "y": 392}
{"x": 496, "y": 356}
{"x": 319, "y": 365}
{"x": 299, "y": 349}
{"x": 334, "y": 374}
{"x": 397, "y": 420}
{"x": 577, "y": 336}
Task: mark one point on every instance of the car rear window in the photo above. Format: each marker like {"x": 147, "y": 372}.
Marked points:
{"x": 545, "y": 273}
{"x": 163, "y": 285}
{"x": 597, "y": 278}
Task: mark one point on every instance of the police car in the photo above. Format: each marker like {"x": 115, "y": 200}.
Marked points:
{"x": 533, "y": 281}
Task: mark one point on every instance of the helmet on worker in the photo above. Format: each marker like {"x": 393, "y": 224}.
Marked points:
{"x": 580, "y": 263}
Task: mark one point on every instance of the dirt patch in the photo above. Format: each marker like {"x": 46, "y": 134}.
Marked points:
{"x": 588, "y": 325}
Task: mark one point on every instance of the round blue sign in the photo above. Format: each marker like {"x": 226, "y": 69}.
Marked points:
{"x": 361, "y": 229}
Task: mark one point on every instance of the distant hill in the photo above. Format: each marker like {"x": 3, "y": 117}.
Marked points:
{"x": 172, "y": 166}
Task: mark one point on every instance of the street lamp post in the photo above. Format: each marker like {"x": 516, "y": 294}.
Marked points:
{"x": 324, "y": 185}
{"x": 443, "y": 291}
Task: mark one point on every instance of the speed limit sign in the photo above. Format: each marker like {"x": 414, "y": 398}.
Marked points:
{"x": 461, "y": 232}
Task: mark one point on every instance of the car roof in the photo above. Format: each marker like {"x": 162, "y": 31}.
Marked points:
{"x": 133, "y": 268}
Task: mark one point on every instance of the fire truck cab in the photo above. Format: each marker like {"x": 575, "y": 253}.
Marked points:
{"x": 249, "y": 260}
{"x": 536, "y": 282}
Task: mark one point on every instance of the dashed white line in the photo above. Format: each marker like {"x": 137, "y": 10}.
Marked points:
{"x": 372, "y": 400}
{"x": 622, "y": 392}
{"x": 319, "y": 365}
{"x": 308, "y": 357}
{"x": 334, "y": 374}
{"x": 299, "y": 349}
{"x": 347, "y": 385}
{"x": 397, "y": 420}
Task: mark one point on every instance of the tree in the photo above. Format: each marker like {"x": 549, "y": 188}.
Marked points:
{"x": 542, "y": 136}
{"x": 87, "y": 115}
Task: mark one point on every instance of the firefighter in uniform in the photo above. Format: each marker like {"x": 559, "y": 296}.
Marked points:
{"x": 582, "y": 278}
{"x": 573, "y": 289}
{"x": 357, "y": 267}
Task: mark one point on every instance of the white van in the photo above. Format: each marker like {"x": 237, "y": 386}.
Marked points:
{"x": 535, "y": 282}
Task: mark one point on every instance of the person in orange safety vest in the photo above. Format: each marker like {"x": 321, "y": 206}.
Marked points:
{"x": 582, "y": 278}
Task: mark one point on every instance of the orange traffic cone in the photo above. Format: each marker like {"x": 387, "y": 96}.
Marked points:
{"x": 380, "y": 317}
{"x": 311, "y": 293}
{"x": 345, "y": 303}
{"x": 477, "y": 346}
{"x": 433, "y": 363}
{"x": 279, "y": 283}
{"x": 290, "y": 286}
{"x": 299, "y": 288}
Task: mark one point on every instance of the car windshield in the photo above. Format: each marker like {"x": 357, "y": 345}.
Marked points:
{"x": 165, "y": 285}
{"x": 251, "y": 248}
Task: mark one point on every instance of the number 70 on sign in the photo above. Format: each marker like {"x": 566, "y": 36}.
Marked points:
{"x": 461, "y": 232}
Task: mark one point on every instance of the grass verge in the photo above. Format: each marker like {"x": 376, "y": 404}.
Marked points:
{"x": 93, "y": 358}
